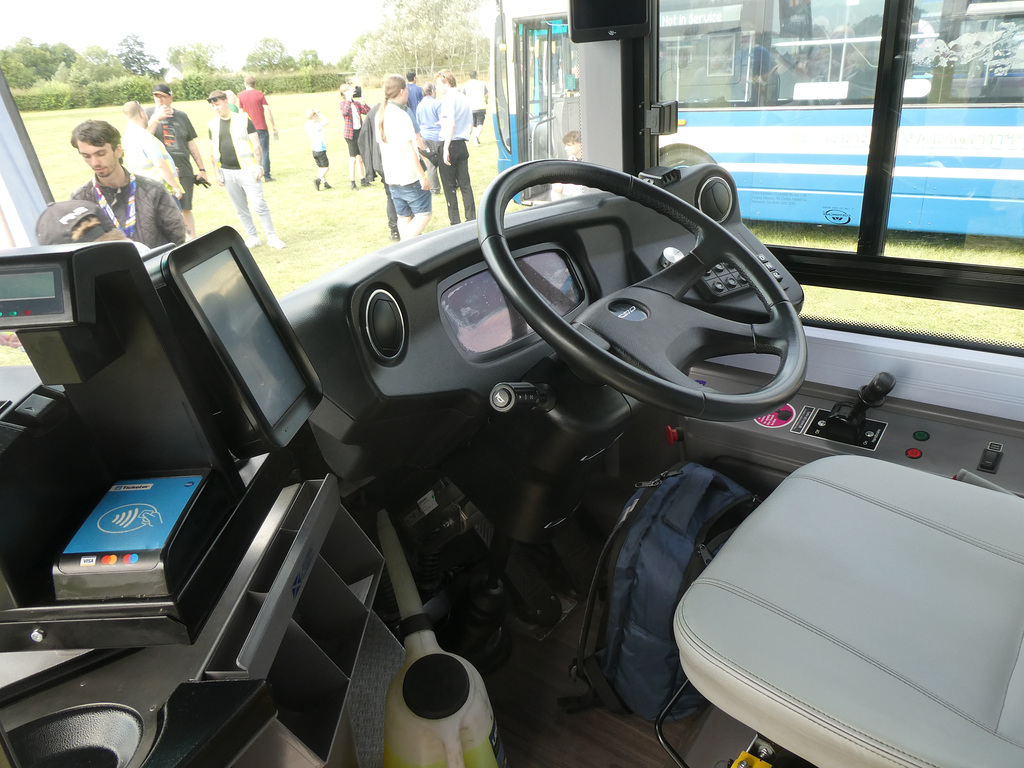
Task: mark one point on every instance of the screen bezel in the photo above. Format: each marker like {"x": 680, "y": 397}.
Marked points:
{"x": 600, "y": 32}
{"x": 268, "y": 435}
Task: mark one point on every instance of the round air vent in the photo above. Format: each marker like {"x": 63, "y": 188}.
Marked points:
{"x": 715, "y": 198}
{"x": 385, "y": 326}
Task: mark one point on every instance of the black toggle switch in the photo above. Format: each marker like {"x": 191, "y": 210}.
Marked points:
{"x": 990, "y": 458}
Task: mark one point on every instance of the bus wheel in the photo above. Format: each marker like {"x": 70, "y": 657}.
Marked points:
{"x": 679, "y": 155}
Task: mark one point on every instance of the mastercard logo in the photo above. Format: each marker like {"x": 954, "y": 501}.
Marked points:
{"x": 115, "y": 559}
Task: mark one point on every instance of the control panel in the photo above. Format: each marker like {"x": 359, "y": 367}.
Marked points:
{"x": 725, "y": 279}
{"x": 941, "y": 442}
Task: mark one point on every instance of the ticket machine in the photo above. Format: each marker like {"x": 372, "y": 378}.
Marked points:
{"x": 147, "y": 483}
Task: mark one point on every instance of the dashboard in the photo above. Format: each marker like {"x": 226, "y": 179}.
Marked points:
{"x": 409, "y": 341}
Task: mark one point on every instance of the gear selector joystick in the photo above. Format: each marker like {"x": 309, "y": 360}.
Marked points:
{"x": 846, "y": 422}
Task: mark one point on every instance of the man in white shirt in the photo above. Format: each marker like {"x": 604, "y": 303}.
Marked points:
{"x": 477, "y": 94}
{"x": 456, "y": 126}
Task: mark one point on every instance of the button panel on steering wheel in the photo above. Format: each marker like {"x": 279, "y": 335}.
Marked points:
{"x": 722, "y": 280}
{"x": 725, "y": 279}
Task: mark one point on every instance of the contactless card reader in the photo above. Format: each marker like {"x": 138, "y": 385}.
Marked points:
{"x": 123, "y": 547}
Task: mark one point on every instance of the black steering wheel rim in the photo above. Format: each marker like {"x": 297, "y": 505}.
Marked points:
{"x": 589, "y": 354}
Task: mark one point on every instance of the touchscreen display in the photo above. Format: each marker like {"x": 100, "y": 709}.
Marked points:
{"x": 247, "y": 335}
{"x": 482, "y": 320}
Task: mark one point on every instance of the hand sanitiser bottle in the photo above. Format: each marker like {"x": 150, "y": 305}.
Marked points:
{"x": 436, "y": 714}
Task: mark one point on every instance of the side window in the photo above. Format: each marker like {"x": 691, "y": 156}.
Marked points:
{"x": 781, "y": 94}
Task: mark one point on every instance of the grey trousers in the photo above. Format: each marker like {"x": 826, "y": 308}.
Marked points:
{"x": 243, "y": 189}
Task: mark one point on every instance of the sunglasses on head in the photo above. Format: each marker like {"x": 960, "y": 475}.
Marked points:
{"x": 215, "y": 99}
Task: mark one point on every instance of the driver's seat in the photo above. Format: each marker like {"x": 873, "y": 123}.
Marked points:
{"x": 868, "y": 614}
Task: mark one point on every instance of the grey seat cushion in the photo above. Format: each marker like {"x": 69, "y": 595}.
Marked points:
{"x": 868, "y": 614}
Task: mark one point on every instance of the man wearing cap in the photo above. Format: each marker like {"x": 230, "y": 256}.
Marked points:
{"x": 74, "y": 221}
{"x": 235, "y": 155}
{"x": 137, "y": 205}
{"x": 175, "y": 130}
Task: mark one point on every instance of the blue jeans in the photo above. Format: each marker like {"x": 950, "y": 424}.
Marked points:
{"x": 265, "y": 146}
{"x": 410, "y": 200}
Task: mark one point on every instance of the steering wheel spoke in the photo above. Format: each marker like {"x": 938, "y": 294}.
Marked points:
{"x": 642, "y": 339}
{"x": 656, "y": 333}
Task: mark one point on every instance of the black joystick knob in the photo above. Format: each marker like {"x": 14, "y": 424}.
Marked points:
{"x": 845, "y": 422}
{"x": 872, "y": 394}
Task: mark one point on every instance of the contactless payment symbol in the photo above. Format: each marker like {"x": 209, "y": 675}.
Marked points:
{"x": 128, "y": 518}
{"x": 777, "y": 418}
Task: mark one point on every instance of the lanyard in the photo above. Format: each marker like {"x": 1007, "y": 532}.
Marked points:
{"x": 129, "y": 225}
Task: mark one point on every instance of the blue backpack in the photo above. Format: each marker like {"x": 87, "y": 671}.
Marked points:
{"x": 667, "y": 533}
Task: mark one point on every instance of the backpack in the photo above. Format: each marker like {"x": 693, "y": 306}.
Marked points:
{"x": 666, "y": 535}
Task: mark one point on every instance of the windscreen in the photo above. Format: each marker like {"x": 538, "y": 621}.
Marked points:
{"x": 246, "y": 335}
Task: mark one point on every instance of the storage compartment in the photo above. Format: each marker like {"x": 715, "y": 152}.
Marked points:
{"x": 354, "y": 558}
{"x": 309, "y": 691}
{"x": 332, "y": 616}
{"x": 105, "y": 736}
{"x": 301, "y": 625}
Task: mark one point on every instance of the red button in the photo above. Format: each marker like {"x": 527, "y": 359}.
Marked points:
{"x": 914, "y": 453}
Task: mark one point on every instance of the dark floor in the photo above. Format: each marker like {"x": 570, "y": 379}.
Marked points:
{"x": 538, "y": 733}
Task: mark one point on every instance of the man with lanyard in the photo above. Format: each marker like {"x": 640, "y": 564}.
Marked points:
{"x": 175, "y": 131}
{"x": 235, "y": 153}
{"x": 138, "y": 206}
{"x": 456, "y": 121}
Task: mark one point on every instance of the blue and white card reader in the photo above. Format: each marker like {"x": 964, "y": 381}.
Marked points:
{"x": 120, "y": 550}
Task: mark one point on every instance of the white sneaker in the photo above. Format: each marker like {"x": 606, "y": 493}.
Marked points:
{"x": 275, "y": 242}
{"x": 252, "y": 241}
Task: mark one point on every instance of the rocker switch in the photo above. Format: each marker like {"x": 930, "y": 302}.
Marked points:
{"x": 990, "y": 458}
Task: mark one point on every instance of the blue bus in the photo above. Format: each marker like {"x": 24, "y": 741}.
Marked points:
{"x": 781, "y": 95}
{"x": 536, "y": 79}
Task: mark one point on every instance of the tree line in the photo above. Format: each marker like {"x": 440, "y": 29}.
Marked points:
{"x": 26, "y": 64}
{"x": 431, "y": 35}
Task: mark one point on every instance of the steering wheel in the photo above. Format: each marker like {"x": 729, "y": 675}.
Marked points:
{"x": 639, "y": 340}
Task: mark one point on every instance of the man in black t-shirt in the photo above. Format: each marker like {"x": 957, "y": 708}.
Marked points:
{"x": 174, "y": 129}
{"x": 236, "y": 155}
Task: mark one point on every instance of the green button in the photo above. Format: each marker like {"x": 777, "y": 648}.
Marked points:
{"x": 921, "y": 435}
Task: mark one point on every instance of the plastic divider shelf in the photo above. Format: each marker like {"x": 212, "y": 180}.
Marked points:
{"x": 301, "y": 625}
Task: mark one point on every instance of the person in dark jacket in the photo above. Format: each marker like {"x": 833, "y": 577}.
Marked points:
{"x": 370, "y": 150}
{"x": 138, "y": 206}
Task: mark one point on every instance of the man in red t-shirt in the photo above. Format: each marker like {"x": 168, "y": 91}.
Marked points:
{"x": 254, "y": 104}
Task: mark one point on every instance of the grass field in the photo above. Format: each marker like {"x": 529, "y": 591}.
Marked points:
{"x": 326, "y": 229}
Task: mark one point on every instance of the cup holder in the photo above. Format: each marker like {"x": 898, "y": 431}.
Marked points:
{"x": 94, "y": 736}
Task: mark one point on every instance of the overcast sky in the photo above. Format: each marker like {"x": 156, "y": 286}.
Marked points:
{"x": 211, "y": 21}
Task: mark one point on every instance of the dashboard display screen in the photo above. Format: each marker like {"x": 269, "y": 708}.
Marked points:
{"x": 250, "y": 342}
{"x": 482, "y": 320}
